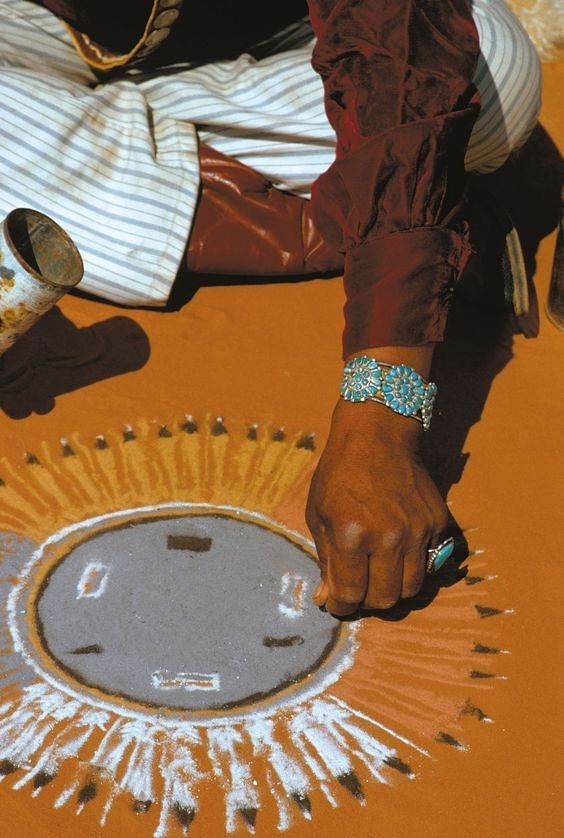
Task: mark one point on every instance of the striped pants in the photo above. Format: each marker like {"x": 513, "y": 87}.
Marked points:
{"x": 116, "y": 164}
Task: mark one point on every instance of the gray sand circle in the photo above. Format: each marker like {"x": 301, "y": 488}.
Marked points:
{"x": 189, "y": 612}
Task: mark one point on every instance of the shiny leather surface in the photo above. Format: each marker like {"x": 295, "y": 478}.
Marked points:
{"x": 244, "y": 225}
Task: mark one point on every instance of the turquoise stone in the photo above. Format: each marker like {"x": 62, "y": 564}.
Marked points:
{"x": 443, "y": 555}
{"x": 399, "y": 387}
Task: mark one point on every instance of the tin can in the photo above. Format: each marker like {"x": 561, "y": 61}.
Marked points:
{"x": 39, "y": 263}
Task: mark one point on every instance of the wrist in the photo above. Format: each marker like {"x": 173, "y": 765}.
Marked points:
{"x": 363, "y": 429}
{"x": 398, "y": 387}
{"x": 370, "y": 419}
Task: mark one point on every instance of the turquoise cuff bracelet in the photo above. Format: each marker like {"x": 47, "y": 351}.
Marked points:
{"x": 398, "y": 387}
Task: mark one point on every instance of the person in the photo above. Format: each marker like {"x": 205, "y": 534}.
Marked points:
{"x": 330, "y": 137}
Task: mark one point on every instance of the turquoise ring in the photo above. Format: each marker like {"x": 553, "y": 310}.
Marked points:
{"x": 439, "y": 555}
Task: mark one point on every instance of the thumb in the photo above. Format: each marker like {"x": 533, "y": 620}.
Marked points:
{"x": 321, "y": 593}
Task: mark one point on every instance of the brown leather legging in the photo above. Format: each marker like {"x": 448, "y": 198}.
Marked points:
{"x": 244, "y": 225}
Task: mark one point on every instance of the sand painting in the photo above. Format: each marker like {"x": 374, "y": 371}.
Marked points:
{"x": 159, "y": 642}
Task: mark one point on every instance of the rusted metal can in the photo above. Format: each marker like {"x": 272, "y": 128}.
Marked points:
{"x": 39, "y": 263}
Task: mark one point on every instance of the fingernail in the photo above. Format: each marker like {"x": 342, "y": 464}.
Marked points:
{"x": 319, "y": 595}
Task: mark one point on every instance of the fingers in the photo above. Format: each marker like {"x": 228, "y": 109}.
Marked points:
{"x": 430, "y": 532}
{"x": 416, "y": 556}
{"x": 356, "y": 572}
{"x": 373, "y": 517}
{"x": 344, "y": 570}
{"x": 414, "y": 569}
{"x": 321, "y": 593}
{"x": 346, "y": 583}
{"x": 359, "y": 572}
{"x": 386, "y": 572}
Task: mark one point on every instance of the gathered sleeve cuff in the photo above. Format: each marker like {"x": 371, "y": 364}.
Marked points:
{"x": 398, "y": 288}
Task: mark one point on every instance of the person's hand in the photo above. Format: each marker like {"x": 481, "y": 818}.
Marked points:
{"x": 372, "y": 509}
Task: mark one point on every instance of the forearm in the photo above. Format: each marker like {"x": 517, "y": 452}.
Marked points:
{"x": 399, "y": 93}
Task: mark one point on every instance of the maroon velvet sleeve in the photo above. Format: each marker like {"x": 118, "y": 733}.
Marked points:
{"x": 398, "y": 91}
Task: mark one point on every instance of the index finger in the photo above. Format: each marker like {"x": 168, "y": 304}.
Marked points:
{"x": 347, "y": 572}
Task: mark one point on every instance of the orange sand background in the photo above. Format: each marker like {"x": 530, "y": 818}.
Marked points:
{"x": 271, "y": 354}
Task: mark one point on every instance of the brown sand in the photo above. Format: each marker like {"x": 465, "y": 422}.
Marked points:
{"x": 270, "y": 355}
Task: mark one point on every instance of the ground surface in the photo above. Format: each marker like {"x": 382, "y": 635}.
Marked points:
{"x": 445, "y": 721}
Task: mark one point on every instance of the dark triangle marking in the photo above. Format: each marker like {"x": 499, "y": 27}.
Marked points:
{"x": 184, "y": 814}
{"x": 67, "y": 450}
{"x": 485, "y": 650}
{"x": 88, "y": 792}
{"x": 447, "y": 739}
{"x": 470, "y": 709}
{"x": 399, "y": 765}
{"x": 351, "y": 782}
{"x": 249, "y": 815}
{"x": 487, "y": 611}
{"x": 141, "y": 806}
{"x": 7, "y": 767}
{"x": 218, "y": 427}
{"x": 42, "y": 778}
{"x": 307, "y": 442}
{"x": 189, "y": 425}
{"x": 302, "y": 801}
{"x": 474, "y": 580}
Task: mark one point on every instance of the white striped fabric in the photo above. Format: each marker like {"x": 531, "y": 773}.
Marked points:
{"x": 508, "y": 77}
{"x": 120, "y": 178}
{"x": 116, "y": 164}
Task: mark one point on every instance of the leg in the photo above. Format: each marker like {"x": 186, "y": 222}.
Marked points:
{"x": 268, "y": 114}
{"x": 263, "y": 132}
{"x": 509, "y": 80}
{"x": 123, "y": 181}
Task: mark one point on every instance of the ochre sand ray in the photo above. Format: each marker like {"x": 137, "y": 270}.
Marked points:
{"x": 408, "y": 688}
{"x": 80, "y": 479}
